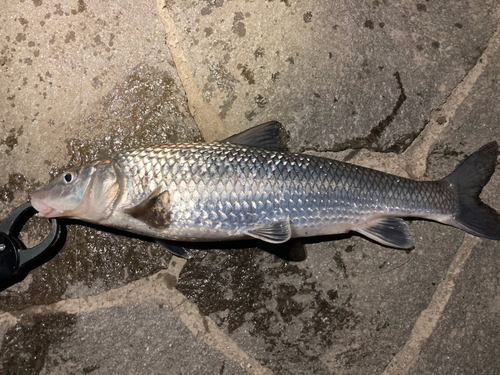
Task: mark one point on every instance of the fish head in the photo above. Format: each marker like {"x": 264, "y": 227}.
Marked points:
{"x": 88, "y": 193}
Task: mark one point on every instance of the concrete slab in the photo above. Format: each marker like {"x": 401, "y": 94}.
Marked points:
{"x": 409, "y": 88}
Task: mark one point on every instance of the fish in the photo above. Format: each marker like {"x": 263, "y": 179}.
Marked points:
{"x": 249, "y": 186}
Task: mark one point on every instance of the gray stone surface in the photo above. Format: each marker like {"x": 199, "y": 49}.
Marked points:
{"x": 128, "y": 339}
{"x": 466, "y": 338}
{"x": 356, "y": 81}
{"x": 352, "y": 74}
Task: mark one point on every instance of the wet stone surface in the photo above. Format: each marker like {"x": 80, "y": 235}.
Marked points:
{"x": 327, "y": 312}
{"x": 26, "y": 346}
{"x": 88, "y": 62}
{"x": 277, "y": 303}
{"x": 90, "y": 262}
{"x": 147, "y": 108}
{"x": 249, "y": 281}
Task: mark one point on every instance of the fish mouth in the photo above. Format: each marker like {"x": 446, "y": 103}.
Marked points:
{"x": 38, "y": 202}
{"x": 44, "y": 210}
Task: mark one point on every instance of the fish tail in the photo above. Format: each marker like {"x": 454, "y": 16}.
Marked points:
{"x": 468, "y": 180}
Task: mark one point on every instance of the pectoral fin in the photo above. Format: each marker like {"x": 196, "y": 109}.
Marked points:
{"x": 277, "y": 232}
{"x": 390, "y": 231}
{"x": 175, "y": 250}
{"x": 154, "y": 210}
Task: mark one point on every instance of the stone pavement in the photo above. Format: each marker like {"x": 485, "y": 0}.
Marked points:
{"x": 408, "y": 87}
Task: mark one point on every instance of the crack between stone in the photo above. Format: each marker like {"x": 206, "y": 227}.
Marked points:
{"x": 418, "y": 151}
{"x": 207, "y": 120}
{"x": 372, "y": 139}
{"x": 404, "y": 360}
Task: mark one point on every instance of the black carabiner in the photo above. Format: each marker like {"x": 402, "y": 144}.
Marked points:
{"x": 14, "y": 256}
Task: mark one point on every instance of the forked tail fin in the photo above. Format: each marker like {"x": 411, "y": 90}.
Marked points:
{"x": 468, "y": 180}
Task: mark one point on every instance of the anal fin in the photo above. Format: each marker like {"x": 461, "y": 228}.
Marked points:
{"x": 277, "y": 232}
{"x": 391, "y": 231}
{"x": 154, "y": 210}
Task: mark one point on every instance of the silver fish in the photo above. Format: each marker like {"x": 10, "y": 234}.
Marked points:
{"x": 247, "y": 186}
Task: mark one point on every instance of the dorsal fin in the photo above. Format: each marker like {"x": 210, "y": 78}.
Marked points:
{"x": 269, "y": 135}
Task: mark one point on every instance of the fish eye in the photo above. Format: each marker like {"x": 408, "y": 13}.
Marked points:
{"x": 69, "y": 177}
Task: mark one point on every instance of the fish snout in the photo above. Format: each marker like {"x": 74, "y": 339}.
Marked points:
{"x": 37, "y": 201}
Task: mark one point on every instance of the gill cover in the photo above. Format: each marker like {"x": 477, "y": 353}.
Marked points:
{"x": 89, "y": 192}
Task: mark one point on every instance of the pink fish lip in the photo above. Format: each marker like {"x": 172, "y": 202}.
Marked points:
{"x": 43, "y": 209}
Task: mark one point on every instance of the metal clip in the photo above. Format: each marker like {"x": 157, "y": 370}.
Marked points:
{"x": 14, "y": 256}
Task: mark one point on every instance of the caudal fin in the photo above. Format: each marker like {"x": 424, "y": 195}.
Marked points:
{"x": 468, "y": 179}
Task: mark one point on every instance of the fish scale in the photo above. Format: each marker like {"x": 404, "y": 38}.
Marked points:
{"x": 246, "y": 187}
